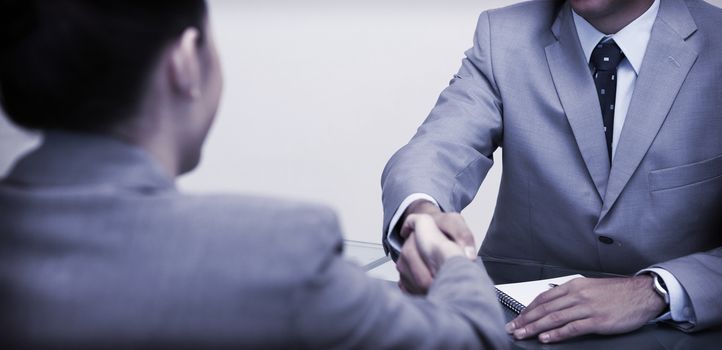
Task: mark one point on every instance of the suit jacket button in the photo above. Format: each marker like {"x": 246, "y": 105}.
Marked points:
{"x": 606, "y": 240}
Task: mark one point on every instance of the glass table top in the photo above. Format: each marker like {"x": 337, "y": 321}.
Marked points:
{"x": 372, "y": 259}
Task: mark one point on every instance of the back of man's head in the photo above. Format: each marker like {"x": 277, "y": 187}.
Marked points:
{"x": 81, "y": 65}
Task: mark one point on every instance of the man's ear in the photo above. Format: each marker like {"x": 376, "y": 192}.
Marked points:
{"x": 185, "y": 65}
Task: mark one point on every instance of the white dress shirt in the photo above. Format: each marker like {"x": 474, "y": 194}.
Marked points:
{"x": 632, "y": 40}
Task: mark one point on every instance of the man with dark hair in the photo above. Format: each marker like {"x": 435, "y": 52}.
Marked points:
{"x": 609, "y": 116}
{"x": 98, "y": 249}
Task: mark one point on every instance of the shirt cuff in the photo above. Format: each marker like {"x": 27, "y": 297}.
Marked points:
{"x": 392, "y": 235}
{"x": 680, "y": 305}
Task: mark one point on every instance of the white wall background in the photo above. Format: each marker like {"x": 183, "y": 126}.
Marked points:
{"x": 319, "y": 94}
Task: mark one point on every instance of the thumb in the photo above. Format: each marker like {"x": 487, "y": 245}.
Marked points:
{"x": 433, "y": 245}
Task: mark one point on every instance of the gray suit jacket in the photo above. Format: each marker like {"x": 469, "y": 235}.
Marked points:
{"x": 525, "y": 86}
{"x": 98, "y": 248}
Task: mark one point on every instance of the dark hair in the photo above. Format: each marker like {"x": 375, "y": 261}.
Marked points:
{"x": 81, "y": 64}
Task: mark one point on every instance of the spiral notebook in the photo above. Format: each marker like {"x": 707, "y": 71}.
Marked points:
{"x": 517, "y": 296}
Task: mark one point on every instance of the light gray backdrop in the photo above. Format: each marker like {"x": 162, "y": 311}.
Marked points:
{"x": 319, "y": 94}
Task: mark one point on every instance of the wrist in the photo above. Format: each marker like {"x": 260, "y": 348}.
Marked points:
{"x": 419, "y": 206}
{"x": 660, "y": 287}
{"x": 422, "y": 206}
{"x": 657, "y": 303}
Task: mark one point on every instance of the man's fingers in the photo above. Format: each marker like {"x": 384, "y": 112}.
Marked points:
{"x": 402, "y": 287}
{"x": 568, "y": 331}
{"x": 404, "y": 275}
{"x": 433, "y": 246}
{"x": 416, "y": 222}
{"x": 415, "y": 274}
{"x": 406, "y": 286}
{"x": 451, "y": 224}
{"x": 532, "y": 314}
{"x": 454, "y": 226}
{"x": 408, "y": 227}
{"x": 426, "y": 233}
{"x": 403, "y": 271}
{"x": 405, "y": 283}
{"x": 548, "y": 296}
{"x": 551, "y": 321}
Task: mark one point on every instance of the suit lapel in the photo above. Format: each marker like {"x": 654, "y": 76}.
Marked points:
{"x": 665, "y": 67}
{"x": 575, "y": 87}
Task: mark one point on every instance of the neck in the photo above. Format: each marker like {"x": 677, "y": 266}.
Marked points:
{"x": 162, "y": 154}
{"x": 616, "y": 19}
{"x": 159, "y": 145}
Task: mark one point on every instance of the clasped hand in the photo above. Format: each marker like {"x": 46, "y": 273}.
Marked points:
{"x": 415, "y": 273}
{"x": 430, "y": 246}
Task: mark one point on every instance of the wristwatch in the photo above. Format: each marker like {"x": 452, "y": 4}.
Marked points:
{"x": 660, "y": 287}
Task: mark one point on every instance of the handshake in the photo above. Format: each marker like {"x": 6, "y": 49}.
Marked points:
{"x": 431, "y": 237}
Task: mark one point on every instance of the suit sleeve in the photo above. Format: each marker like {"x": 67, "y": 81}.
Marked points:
{"x": 340, "y": 307}
{"x": 451, "y": 152}
{"x": 700, "y": 275}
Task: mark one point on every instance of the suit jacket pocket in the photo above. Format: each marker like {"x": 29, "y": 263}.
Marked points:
{"x": 686, "y": 204}
{"x": 684, "y": 175}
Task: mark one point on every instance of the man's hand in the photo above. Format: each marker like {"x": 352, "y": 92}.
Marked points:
{"x": 589, "y": 306}
{"x": 415, "y": 276}
{"x": 427, "y": 248}
{"x": 433, "y": 246}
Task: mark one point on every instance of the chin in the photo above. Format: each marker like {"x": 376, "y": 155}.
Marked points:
{"x": 590, "y": 8}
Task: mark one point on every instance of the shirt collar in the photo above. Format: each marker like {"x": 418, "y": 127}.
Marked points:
{"x": 632, "y": 39}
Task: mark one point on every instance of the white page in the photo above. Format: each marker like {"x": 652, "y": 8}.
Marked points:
{"x": 525, "y": 292}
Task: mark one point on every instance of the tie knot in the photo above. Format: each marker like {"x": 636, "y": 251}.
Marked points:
{"x": 606, "y": 56}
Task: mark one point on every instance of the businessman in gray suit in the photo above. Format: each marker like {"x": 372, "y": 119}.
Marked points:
{"x": 610, "y": 115}
{"x": 98, "y": 248}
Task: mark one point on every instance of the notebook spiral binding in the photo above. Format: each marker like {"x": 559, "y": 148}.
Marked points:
{"x": 510, "y": 302}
